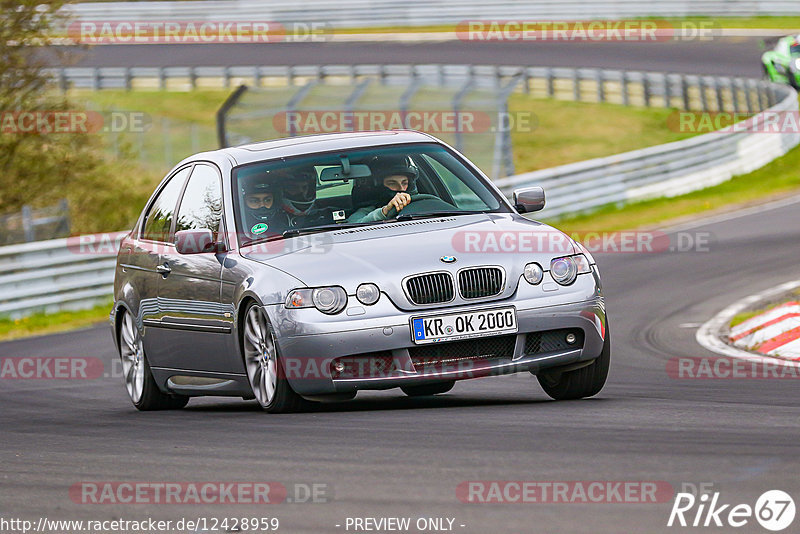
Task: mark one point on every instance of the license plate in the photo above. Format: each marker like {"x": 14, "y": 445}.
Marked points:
{"x": 465, "y": 325}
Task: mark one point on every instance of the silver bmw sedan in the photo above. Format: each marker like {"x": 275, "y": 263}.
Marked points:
{"x": 306, "y": 269}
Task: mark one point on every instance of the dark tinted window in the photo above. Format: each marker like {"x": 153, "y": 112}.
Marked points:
{"x": 201, "y": 207}
{"x": 159, "y": 218}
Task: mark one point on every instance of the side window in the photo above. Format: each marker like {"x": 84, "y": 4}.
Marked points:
{"x": 201, "y": 206}
{"x": 159, "y": 218}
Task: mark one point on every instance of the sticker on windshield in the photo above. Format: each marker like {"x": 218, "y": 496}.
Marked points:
{"x": 259, "y": 228}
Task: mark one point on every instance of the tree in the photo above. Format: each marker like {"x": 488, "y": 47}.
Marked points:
{"x": 40, "y": 167}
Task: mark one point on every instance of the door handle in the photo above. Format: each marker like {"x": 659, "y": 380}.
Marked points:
{"x": 164, "y": 269}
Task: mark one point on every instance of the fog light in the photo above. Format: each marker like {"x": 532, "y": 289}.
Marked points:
{"x": 571, "y": 338}
{"x": 338, "y": 367}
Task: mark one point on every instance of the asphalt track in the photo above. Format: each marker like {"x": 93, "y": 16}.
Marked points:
{"x": 729, "y": 56}
{"x": 388, "y": 455}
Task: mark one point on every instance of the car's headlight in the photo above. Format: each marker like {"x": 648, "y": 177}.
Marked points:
{"x": 330, "y": 300}
{"x": 533, "y": 273}
{"x": 368, "y": 294}
{"x": 566, "y": 269}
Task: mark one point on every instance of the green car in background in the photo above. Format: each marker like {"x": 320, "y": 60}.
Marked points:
{"x": 782, "y": 63}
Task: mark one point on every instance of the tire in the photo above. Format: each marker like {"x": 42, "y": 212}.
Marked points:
{"x": 263, "y": 364}
{"x": 428, "y": 389}
{"x": 579, "y": 383}
{"x": 139, "y": 381}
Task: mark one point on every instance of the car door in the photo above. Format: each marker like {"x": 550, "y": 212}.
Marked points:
{"x": 195, "y": 328}
{"x": 144, "y": 258}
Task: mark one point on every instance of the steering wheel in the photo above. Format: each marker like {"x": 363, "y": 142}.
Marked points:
{"x": 421, "y": 203}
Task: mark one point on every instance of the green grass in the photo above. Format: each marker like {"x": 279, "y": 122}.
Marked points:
{"x": 575, "y": 131}
{"x": 787, "y": 22}
{"x": 779, "y": 177}
{"x": 41, "y": 323}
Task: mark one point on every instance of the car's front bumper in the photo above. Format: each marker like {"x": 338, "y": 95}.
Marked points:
{"x": 309, "y": 343}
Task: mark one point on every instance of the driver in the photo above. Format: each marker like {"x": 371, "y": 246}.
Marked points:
{"x": 261, "y": 207}
{"x": 393, "y": 183}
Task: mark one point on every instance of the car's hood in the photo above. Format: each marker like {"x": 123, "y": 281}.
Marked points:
{"x": 387, "y": 253}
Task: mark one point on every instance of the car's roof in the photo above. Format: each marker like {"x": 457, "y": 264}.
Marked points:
{"x": 310, "y": 144}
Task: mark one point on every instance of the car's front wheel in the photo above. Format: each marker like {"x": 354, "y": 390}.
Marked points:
{"x": 139, "y": 381}
{"x": 578, "y": 383}
{"x": 263, "y": 365}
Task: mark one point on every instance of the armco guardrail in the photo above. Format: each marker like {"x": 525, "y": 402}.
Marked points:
{"x": 665, "y": 170}
{"x": 60, "y": 274}
{"x": 418, "y": 12}
{"x": 55, "y": 275}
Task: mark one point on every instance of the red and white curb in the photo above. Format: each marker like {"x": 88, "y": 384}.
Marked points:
{"x": 774, "y": 334}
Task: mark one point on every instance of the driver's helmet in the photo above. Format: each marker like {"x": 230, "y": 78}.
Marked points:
{"x": 372, "y": 192}
{"x": 255, "y": 191}
{"x": 299, "y": 191}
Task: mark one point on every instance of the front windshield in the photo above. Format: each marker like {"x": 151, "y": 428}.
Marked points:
{"x": 279, "y": 198}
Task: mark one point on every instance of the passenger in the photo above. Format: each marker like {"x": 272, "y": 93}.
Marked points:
{"x": 392, "y": 183}
{"x": 299, "y": 200}
{"x": 262, "y": 208}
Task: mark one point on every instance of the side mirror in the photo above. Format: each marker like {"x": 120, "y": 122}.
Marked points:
{"x": 529, "y": 199}
{"x": 195, "y": 241}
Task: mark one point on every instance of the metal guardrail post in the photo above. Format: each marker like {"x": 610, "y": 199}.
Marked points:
{"x": 626, "y": 97}
{"x": 646, "y": 89}
{"x": 576, "y": 85}
{"x": 551, "y": 84}
{"x": 734, "y": 85}
{"x": 687, "y": 101}
{"x": 599, "y": 77}
{"x": 193, "y": 77}
{"x": 701, "y": 84}
{"x": 718, "y": 94}
{"x": 27, "y": 223}
{"x": 128, "y": 79}
{"x": 162, "y": 78}
{"x": 96, "y": 79}
{"x": 667, "y": 91}
{"x": 748, "y": 96}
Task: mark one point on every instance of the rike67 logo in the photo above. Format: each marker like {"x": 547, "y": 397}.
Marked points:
{"x": 774, "y": 510}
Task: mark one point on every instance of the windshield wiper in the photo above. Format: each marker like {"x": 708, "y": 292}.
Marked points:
{"x": 293, "y": 232}
{"x": 412, "y": 216}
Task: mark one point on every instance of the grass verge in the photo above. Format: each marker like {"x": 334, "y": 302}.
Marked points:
{"x": 41, "y": 323}
{"x": 779, "y": 177}
{"x": 787, "y": 22}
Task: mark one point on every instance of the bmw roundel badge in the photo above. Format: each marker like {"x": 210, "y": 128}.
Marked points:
{"x": 448, "y": 259}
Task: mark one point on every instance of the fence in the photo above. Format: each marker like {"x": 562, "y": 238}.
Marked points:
{"x": 35, "y": 224}
{"x": 372, "y": 13}
{"x": 50, "y": 275}
{"x": 54, "y": 275}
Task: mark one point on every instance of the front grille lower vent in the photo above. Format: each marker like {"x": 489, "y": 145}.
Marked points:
{"x": 462, "y": 354}
{"x": 479, "y": 282}
{"x": 430, "y": 288}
